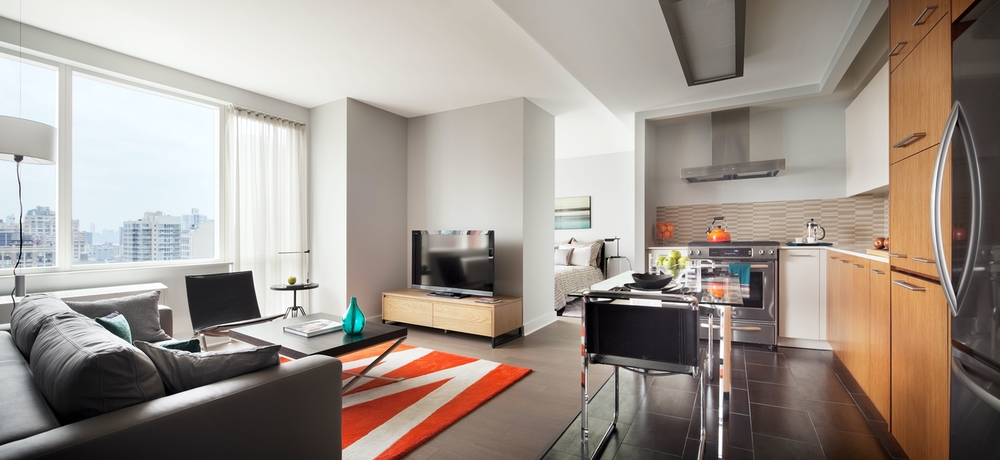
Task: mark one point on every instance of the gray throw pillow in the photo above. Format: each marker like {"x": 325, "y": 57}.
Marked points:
{"x": 140, "y": 310}
{"x": 84, "y": 370}
{"x": 182, "y": 370}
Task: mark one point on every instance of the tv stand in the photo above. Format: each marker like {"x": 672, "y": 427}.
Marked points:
{"x": 501, "y": 322}
{"x": 450, "y": 295}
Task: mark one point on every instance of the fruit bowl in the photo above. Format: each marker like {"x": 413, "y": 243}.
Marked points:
{"x": 651, "y": 281}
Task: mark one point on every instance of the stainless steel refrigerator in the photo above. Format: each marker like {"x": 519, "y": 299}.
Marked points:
{"x": 972, "y": 285}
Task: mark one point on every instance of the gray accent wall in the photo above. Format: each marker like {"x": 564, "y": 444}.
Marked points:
{"x": 490, "y": 167}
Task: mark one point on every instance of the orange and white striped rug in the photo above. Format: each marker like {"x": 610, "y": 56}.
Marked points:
{"x": 387, "y": 420}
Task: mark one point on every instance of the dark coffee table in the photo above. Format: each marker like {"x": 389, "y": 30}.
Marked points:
{"x": 331, "y": 344}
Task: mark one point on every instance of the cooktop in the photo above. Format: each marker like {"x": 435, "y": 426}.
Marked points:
{"x": 734, "y": 243}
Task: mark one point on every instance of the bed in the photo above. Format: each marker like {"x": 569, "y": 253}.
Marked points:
{"x": 577, "y": 269}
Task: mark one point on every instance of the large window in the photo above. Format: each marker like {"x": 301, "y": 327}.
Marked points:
{"x": 144, "y": 175}
{"x": 142, "y": 165}
{"x": 28, "y": 90}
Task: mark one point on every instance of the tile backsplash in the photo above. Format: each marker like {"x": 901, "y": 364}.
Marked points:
{"x": 848, "y": 221}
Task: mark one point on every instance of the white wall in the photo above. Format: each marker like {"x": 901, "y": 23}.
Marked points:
{"x": 63, "y": 49}
{"x": 328, "y": 205}
{"x": 539, "y": 216}
{"x": 609, "y": 180}
{"x": 358, "y": 177}
{"x": 810, "y": 138}
{"x": 467, "y": 170}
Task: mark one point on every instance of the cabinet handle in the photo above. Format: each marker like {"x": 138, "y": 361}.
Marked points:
{"x": 895, "y": 49}
{"x": 843, "y": 261}
{"x": 877, "y": 272}
{"x": 833, "y": 258}
{"x": 920, "y": 19}
{"x": 901, "y": 256}
{"x": 858, "y": 266}
{"x": 802, "y": 255}
{"x": 909, "y": 140}
{"x": 922, "y": 260}
{"x": 909, "y": 286}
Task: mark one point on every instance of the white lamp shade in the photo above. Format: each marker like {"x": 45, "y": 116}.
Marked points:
{"x": 35, "y": 141}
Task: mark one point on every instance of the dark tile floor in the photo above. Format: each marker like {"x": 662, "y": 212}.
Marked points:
{"x": 787, "y": 404}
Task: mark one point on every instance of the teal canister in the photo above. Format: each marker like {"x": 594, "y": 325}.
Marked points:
{"x": 354, "y": 318}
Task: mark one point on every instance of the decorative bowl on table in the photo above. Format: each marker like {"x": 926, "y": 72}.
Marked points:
{"x": 651, "y": 281}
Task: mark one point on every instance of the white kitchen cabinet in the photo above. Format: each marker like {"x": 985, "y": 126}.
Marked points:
{"x": 867, "y": 123}
{"x": 802, "y": 298}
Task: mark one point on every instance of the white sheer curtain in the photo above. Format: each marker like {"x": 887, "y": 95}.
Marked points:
{"x": 265, "y": 200}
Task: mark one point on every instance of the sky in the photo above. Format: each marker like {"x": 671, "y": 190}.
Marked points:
{"x": 133, "y": 151}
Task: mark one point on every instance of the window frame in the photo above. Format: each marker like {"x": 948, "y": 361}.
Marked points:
{"x": 64, "y": 163}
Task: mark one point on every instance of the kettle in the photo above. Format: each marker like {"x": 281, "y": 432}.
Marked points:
{"x": 718, "y": 233}
{"x": 814, "y": 232}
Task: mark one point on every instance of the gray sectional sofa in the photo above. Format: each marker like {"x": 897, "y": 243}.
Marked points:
{"x": 110, "y": 406}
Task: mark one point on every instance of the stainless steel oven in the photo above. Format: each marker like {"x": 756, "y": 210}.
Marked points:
{"x": 760, "y": 309}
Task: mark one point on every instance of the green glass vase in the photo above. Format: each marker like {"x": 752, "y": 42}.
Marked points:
{"x": 354, "y": 318}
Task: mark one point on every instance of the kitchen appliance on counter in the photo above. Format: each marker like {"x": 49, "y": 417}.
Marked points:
{"x": 814, "y": 232}
{"x": 718, "y": 233}
{"x": 972, "y": 284}
{"x": 760, "y": 307}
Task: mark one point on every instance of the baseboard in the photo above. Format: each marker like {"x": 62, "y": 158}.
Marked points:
{"x": 804, "y": 343}
{"x": 539, "y": 323}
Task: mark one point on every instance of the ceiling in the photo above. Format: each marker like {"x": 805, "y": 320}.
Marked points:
{"x": 592, "y": 63}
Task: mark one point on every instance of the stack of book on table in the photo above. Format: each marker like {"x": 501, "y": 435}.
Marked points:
{"x": 314, "y": 327}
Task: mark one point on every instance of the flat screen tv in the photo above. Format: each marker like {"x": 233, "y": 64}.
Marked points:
{"x": 453, "y": 263}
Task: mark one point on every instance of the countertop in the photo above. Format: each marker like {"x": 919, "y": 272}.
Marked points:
{"x": 858, "y": 250}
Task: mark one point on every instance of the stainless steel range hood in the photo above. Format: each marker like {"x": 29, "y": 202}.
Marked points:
{"x": 731, "y": 152}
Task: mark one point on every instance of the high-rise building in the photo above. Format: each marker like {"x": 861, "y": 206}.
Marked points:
{"x": 199, "y": 243}
{"x": 155, "y": 237}
{"x": 191, "y": 221}
{"x": 39, "y": 239}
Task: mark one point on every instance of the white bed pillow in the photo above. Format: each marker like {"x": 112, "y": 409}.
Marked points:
{"x": 562, "y": 256}
{"x": 580, "y": 256}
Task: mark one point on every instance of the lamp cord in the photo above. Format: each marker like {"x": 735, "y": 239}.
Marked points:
{"x": 20, "y": 229}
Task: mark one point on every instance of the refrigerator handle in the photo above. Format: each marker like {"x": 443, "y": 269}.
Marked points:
{"x": 955, "y": 120}
{"x": 958, "y": 369}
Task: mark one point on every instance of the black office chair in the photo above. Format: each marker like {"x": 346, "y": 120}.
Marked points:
{"x": 653, "y": 339}
{"x": 221, "y": 301}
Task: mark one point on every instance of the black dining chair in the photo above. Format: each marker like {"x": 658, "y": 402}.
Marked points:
{"x": 657, "y": 335}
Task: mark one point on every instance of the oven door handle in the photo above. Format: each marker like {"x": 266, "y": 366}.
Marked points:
{"x": 759, "y": 267}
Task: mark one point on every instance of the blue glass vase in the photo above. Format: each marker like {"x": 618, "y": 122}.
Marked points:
{"x": 354, "y": 318}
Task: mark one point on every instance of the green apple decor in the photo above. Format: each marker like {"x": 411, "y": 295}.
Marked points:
{"x": 291, "y": 280}
{"x": 354, "y": 319}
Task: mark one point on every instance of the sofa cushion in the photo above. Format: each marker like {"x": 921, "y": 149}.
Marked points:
{"x": 23, "y": 411}
{"x": 141, "y": 311}
{"x": 183, "y": 370}
{"x": 83, "y": 370}
{"x": 28, "y": 316}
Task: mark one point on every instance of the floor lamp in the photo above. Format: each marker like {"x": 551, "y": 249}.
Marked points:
{"x": 25, "y": 141}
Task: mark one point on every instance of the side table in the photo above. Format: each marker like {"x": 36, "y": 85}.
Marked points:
{"x": 295, "y": 288}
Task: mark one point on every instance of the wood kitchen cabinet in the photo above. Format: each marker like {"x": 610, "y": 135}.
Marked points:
{"x": 879, "y": 389}
{"x": 920, "y": 367}
{"x": 802, "y": 298}
{"x": 920, "y": 94}
{"x": 858, "y": 322}
{"x": 911, "y": 247}
{"x": 909, "y": 22}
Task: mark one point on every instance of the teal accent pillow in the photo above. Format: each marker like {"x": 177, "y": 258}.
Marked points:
{"x": 117, "y": 324}
{"x": 192, "y": 345}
